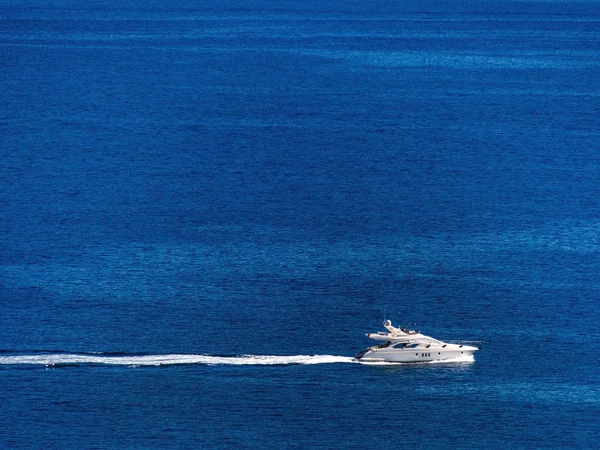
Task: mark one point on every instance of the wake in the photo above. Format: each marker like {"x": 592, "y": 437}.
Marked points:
{"x": 62, "y": 359}
{"x": 70, "y": 359}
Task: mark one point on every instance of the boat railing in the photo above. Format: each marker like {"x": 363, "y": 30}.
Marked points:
{"x": 477, "y": 344}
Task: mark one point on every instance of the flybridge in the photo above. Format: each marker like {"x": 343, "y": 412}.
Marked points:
{"x": 396, "y": 333}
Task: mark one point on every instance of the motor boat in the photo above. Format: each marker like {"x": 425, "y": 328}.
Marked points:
{"x": 410, "y": 346}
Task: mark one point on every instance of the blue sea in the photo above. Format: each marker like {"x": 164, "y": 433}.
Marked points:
{"x": 205, "y": 205}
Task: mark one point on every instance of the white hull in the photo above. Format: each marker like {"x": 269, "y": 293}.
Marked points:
{"x": 414, "y": 355}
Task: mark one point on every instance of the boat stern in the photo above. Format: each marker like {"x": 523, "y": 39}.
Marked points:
{"x": 362, "y": 353}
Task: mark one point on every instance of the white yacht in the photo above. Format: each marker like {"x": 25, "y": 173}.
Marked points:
{"x": 408, "y": 346}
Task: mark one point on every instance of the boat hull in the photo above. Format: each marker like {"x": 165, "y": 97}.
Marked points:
{"x": 413, "y": 355}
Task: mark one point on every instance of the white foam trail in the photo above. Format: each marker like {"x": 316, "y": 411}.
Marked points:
{"x": 161, "y": 360}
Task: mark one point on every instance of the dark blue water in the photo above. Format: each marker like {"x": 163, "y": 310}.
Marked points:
{"x": 182, "y": 185}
